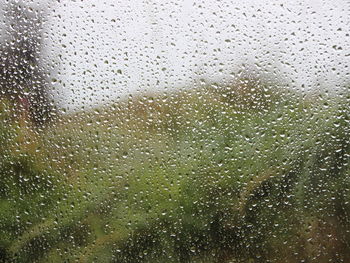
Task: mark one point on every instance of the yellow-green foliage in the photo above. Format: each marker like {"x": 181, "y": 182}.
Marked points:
{"x": 246, "y": 173}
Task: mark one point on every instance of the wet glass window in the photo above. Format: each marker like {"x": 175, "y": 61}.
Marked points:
{"x": 175, "y": 131}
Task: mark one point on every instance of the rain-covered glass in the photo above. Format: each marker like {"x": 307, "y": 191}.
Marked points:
{"x": 175, "y": 131}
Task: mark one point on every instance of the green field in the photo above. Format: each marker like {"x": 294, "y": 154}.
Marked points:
{"x": 248, "y": 173}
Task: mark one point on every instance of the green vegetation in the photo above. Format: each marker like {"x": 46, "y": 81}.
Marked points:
{"x": 245, "y": 173}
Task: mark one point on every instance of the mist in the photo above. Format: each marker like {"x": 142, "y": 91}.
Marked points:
{"x": 101, "y": 51}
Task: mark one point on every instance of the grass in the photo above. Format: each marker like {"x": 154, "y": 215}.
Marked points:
{"x": 246, "y": 173}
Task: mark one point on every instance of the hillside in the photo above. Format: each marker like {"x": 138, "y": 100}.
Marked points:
{"x": 245, "y": 173}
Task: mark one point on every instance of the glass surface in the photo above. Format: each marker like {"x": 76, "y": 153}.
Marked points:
{"x": 175, "y": 131}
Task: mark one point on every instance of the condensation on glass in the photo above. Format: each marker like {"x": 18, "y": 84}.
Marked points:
{"x": 174, "y": 131}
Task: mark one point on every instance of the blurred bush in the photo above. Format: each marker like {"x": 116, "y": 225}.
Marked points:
{"x": 246, "y": 173}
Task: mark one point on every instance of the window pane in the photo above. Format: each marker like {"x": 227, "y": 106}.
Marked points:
{"x": 174, "y": 131}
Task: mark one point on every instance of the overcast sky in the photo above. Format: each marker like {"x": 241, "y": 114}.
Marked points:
{"x": 106, "y": 49}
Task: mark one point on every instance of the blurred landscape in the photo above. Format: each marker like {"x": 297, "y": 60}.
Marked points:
{"x": 243, "y": 173}
{"x": 244, "y": 165}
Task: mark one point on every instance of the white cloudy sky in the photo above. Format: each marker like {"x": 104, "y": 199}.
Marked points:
{"x": 106, "y": 49}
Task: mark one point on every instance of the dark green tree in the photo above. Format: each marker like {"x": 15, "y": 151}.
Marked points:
{"x": 23, "y": 80}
